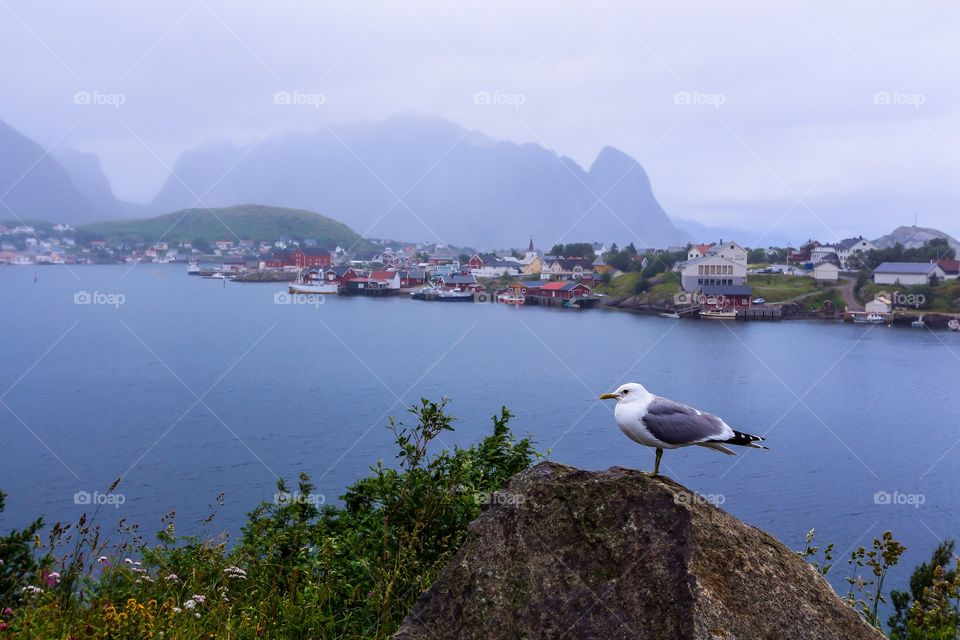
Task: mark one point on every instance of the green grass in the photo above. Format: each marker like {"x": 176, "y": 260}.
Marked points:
{"x": 245, "y": 222}
{"x": 780, "y": 287}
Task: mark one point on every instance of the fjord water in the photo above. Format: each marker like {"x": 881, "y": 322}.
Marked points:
{"x": 187, "y": 388}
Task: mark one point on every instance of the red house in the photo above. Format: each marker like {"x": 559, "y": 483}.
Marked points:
{"x": 737, "y": 296}
{"x": 564, "y": 290}
{"x": 307, "y": 257}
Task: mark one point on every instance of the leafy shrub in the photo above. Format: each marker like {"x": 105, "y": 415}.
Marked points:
{"x": 352, "y": 570}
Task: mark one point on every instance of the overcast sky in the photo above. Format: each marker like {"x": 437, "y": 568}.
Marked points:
{"x": 812, "y": 118}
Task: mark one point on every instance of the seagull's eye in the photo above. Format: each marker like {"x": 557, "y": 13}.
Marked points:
{"x": 626, "y": 391}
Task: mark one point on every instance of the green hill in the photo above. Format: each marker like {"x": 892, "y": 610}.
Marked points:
{"x": 244, "y": 222}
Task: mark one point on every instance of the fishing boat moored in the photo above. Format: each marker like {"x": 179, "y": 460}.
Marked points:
{"x": 719, "y": 314}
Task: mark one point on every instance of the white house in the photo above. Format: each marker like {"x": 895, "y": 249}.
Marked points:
{"x": 852, "y": 247}
{"x": 826, "y": 272}
{"x": 880, "y": 304}
{"x": 907, "y": 273}
{"x": 712, "y": 269}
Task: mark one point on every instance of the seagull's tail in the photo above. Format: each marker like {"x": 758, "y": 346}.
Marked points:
{"x": 746, "y": 440}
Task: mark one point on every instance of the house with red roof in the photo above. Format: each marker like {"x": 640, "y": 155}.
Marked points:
{"x": 951, "y": 268}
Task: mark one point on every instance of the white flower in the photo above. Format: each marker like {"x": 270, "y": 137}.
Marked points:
{"x": 32, "y": 590}
{"x": 176, "y": 610}
{"x": 235, "y": 573}
{"x": 172, "y": 578}
{"x": 128, "y": 560}
{"x": 189, "y": 604}
{"x": 103, "y": 559}
{"x": 196, "y": 615}
{"x": 199, "y": 599}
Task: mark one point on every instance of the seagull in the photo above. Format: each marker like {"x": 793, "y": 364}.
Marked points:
{"x": 662, "y": 423}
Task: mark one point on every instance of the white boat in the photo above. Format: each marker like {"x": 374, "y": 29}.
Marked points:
{"x": 668, "y": 314}
{"x": 719, "y": 314}
{"x": 919, "y": 323}
{"x": 870, "y": 318}
{"x": 455, "y": 296}
{"x": 193, "y": 268}
{"x": 954, "y": 325}
{"x": 509, "y": 298}
{"x": 327, "y": 288}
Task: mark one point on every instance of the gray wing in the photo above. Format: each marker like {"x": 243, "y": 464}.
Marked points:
{"x": 676, "y": 423}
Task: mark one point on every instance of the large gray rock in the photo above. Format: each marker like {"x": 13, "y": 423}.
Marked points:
{"x": 565, "y": 553}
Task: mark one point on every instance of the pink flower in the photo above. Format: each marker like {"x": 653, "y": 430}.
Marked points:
{"x": 51, "y": 578}
{"x": 3, "y": 626}
{"x": 8, "y": 611}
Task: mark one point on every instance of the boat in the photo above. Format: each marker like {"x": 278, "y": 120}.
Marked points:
{"x": 216, "y": 276}
{"x": 312, "y": 286}
{"x": 509, "y": 298}
{"x": 954, "y": 325}
{"x": 669, "y": 314}
{"x": 870, "y": 318}
{"x": 455, "y": 296}
{"x": 719, "y": 314}
{"x": 427, "y": 292}
{"x": 193, "y": 269}
{"x": 919, "y": 323}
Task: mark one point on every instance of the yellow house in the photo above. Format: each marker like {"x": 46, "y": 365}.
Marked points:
{"x": 534, "y": 266}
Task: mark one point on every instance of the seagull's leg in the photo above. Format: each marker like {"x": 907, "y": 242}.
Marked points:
{"x": 656, "y": 466}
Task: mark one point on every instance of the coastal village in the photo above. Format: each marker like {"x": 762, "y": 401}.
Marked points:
{"x": 717, "y": 280}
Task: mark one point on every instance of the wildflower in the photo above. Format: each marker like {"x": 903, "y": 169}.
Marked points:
{"x": 196, "y": 615}
{"x": 8, "y": 611}
{"x": 32, "y": 590}
{"x": 189, "y": 604}
{"x": 172, "y": 578}
{"x": 176, "y": 609}
{"x": 3, "y": 626}
{"x": 52, "y": 578}
{"x": 199, "y": 599}
{"x": 235, "y": 573}
{"x": 128, "y": 560}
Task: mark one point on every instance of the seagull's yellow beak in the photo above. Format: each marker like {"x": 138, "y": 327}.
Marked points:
{"x": 609, "y": 396}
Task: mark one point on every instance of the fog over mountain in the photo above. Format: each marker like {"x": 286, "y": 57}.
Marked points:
{"x": 413, "y": 177}
{"x": 33, "y": 185}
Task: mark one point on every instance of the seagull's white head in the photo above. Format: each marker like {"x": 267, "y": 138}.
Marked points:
{"x": 629, "y": 392}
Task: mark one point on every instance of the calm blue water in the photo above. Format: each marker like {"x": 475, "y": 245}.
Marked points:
{"x": 96, "y": 392}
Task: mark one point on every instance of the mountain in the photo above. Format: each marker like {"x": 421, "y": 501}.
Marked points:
{"x": 87, "y": 175}
{"x": 33, "y": 184}
{"x": 456, "y": 186}
{"x": 913, "y": 237}
{"x": 242, "y": 222}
